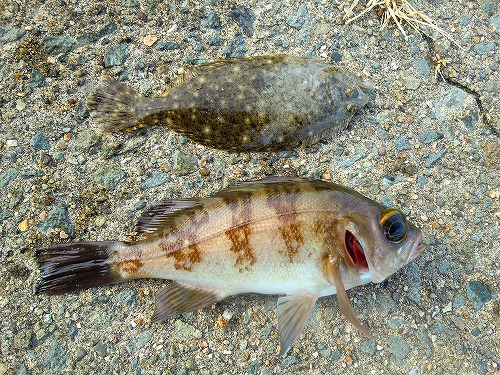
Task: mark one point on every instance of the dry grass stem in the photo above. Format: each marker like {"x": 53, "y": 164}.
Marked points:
{"x": 399, "y": 11}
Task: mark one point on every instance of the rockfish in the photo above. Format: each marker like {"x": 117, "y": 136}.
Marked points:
{"x": 261, "y": 103}
{"x": 303, "y": 239}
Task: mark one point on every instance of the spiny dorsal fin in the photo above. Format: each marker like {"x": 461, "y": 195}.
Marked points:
{"x": 176, "y": 298}
{"x": 164, "y": 215}
{"x": 293, "y": 312}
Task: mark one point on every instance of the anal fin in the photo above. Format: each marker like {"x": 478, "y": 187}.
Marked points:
{"x": 176, "y": 298}
{"x": 293, "y": 312}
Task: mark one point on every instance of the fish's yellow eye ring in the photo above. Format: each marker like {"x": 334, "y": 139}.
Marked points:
{"x": 393, "y": 223}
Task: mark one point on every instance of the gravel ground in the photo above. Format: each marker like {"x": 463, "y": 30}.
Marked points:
{"x": 425, "y": 144}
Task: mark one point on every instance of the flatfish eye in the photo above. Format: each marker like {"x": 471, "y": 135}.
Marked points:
{"x": 393, "y": 223}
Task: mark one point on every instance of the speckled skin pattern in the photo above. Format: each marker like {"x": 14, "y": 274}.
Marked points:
{"x": 262, "y": 103}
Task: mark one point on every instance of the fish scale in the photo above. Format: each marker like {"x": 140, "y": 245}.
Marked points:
{"x": 300, "y": 238}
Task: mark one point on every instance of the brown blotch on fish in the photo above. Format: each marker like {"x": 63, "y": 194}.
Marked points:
{"x": 268, "y": 103}
{"x": 293, "y": 239}
{"x": 131, "y": 267}
{"x": 186, "y": 258}
{"x": 240, "y": 245}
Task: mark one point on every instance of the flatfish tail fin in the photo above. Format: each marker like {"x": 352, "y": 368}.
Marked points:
{"x": 117, "y": 107}
{"x": 75, "y": 266}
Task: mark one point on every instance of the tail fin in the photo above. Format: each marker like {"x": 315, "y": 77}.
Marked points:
{"x": 75, "y": 266}
{"x": 116, "y": 106}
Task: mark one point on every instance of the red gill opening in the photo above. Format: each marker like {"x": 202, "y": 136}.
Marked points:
{"x": 356, "y": 251}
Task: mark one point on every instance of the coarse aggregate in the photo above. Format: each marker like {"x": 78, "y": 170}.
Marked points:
{"x": 428, "y": 143}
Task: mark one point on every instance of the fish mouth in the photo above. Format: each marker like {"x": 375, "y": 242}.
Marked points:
{"x": 417, "y": 249}
{"x": 355, "y": 252}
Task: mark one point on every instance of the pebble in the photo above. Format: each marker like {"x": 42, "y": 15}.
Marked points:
{"x": 186, "y": 331}
{"x": 184, "y": 164}
{"x": 7, "y": 176}
{"x": 429, "y": 136}
{"x": 289, "y": 361}
{"x": 101, "y": 349}
{"x": 422, "y": 67}
{"x": 108, "y": 176}
{"x": 425, "y": 340}
{"x": 359, "y": 155}
{"x": 470, "y": 120}
{"x": 23, "y": 226}
{"x": 36, "y": 79}
{"x": 39, "y": 142}
{"x": 58, "y": 219}
{"x": 369, "y": 348}
{"x": 481, "y": 48}
{"x": 403, "y": 143}
{"x": 478, "y": 293}
{"x": 11, "y": 143}
{"x": 495, "y": 21}
{"x": 411, "y": 82}
{"x": 166, "y": 46}
{"x": 55, "y": 45}
{"x": 212, "y": 21}
{"x": 433, "y": 158}
{"x": 245, "y": 19}
{"x": 140, "y": 341}
{"x": 116, "y": 55}
{"x": 20, "y": 105}
{"x": 236, "y": 48}
{"x": 56, "y": 357}
{"x": 88, "y": 141}
{"x": 452, "y": 102}
{"x": 299, "y": 18}
{"x": 414, "y": 282}
{"x": 127, "y": 296}
{"x": 9, "y": 35}
{"x": 253, "y": 367}
{"x": 385, "y": 304}
{"x": 156, "y": 179}
{"x": 399, "y": 348}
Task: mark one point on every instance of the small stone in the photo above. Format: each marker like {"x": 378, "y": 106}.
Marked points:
{"x": 349, "y": 162}
{"x": 184, "y": 164}
{"x": 403, "y": 143}
{"x": 369, "y": 348}
{"x": 414, "y": 282}
{"x": 156, "y": 179}
{"x": 108, "y": 176}
{"x": 58, "y": 219}
{"x": 398, "y": 347}
{"x": 11, "y": 143}
{"x": 478, "y": 293}
{"x": 101, "y": 349}
{"x": 212, "y": 21}
{"x": 495, "y": 21}
{"x": 127, "y": 296}
{"x": 167, "y": 46}
{"x": 289, "y": 361}
{"x": 8, "y": 35}
{"x": 481, "y": 48}
{"x": 36, "y": 79}
{"x": 422, "y": 67}
{"x": 55, "y": 45}
{"x": 185, "y": 331}
{"x": 299, "y": 18}
{"x": 20, "y": 105}
{"x": 429, "y": 136}
{"x": 411, "y": 82}
{"x": 433, "y": 158}
{"x": 116, "y": 55}
{"x": 149, "y": 40}
{"x": 7, "y": 176}
{"x": 245, "y": 19}
{"x": 55, "y": 357}
{"x": 87, "y": 141}
{"x": 385, "y": 304}
{"x": 39, "y": 142}
{"x": 23, "y": 226}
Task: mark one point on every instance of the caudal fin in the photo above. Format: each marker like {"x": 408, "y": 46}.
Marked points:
{"x": 116, "y": 106}
{"x": 75, "y": 266}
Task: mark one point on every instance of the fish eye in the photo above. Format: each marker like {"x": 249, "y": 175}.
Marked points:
{"x": 393, "y": 223}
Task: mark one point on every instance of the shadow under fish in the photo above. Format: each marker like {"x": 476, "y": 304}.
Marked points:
{"x": 260, "y": 103}
{"x": 302, "y": 239}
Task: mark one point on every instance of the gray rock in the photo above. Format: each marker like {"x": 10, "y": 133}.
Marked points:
{"x": 58, "y": 219}
{"x": 55, "y": 45}
{"x": 108, "y": 176}
{"x": 116, "y": 55}
{"x": 411, "y": 82}
{"x": 140, "y": 342}
{"x": 425, "y": 340}
{"x": 55, "y": 358}
{"x": 478, "y": 293}
{"x": 101, "y": 349}
{"x": 385, "y": 304}
{"x": 422, "y": 67}
{"x": 236, "y": 48}
{"x": 94, "y": 36}
{"x": 212, "y": 21}
{"x": 8, "y": 35}
{"x": 481, "y": 48}
{"x": 433, "y": 158}
{"x": 495, "y": 21}
{"x": 39, "y": 142}
{"x": 185, "y": 331}
{"x": 414, "y": 283}
{"x": 127, "y": 297}
{"x": 184, "y": 164}
{"x": 369, "y": 348}
{"x": 7, "y": 176}
{"x": 470, "y": 120}
{"x": 299, "y": 18}
{"x": 402, "y": 143}
{"x": 289, "y": 361}
{"x": 215, "y": 40}
{"x": 429, "y": 136}
{"x": 359, "y": 155}
{"x": 88, "y": 141}
{"x": 452, "y": 102}
{"x": 465, "y": 20}
{"x": 166, "y": 46}
{"x": 244, "y": 17}
{"x": 36, "y": 79}
{"x": 253, "y": 367}
{"x": 398, "y": 347}
{"x": 156, "y": 179}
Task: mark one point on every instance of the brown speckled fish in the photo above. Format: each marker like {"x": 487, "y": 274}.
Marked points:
{"x": 300, "y": 238}
{"x": 261, "y": 103}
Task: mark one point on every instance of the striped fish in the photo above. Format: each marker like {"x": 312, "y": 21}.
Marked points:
{"x": 302, "y": 239}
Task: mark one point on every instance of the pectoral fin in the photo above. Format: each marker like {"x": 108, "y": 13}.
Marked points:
{"x": 332, "y": 272}
{"x": 293, "y": 312}
{"x": 175, "y": 299}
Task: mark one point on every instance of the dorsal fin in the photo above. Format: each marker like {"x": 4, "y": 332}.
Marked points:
{"x": 163, "y": 215}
